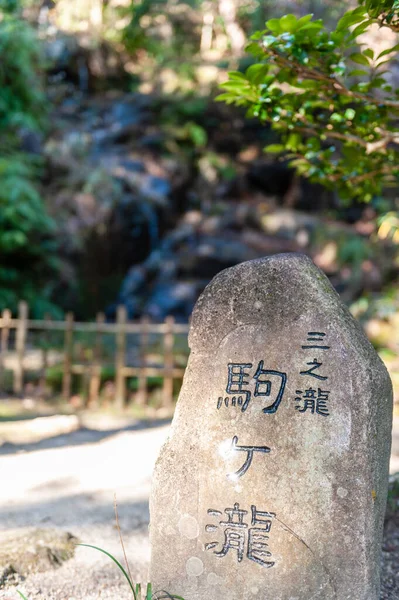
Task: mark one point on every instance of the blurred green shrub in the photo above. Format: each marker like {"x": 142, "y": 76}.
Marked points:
{"x": 26, "y": 231}
{"x": 164, "y": 30}
{"x": 26, "y": 241}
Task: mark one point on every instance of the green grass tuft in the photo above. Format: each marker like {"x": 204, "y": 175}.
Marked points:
{"x": 135, "y": 588}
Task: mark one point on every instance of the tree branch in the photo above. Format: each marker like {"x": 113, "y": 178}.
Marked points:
{"x": 369, "y": 175}
{"x": 335, "y": 135}
{"x": 345, "y": 137}
{"x": 330, "y": 82}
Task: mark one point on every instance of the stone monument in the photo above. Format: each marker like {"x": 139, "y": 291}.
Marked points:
{"x": 273, "y": 482}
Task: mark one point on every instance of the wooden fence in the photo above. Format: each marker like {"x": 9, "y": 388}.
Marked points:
{"x": 14, "y": 335}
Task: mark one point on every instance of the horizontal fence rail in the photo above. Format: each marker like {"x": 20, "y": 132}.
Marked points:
{"x": 152, "y": 352}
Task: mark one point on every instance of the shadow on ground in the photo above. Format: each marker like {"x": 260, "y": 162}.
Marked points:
{"x": 79, "y": 437}
{"x": 77, "y": 510}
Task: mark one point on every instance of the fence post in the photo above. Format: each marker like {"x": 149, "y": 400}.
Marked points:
{"x": 120, "y": 391}
{"x": 67, "y": 377}
{"x": 20, "y": 341}
{"x": 44, "y": 361}
{"x": 168, "y": 362}
{"x": 5, "y": 333}
{"x": 95, "y": 375}
{"x": 142, "y": 378}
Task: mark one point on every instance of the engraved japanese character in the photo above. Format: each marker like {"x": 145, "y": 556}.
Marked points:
{"x": 258, "y": 547}
{"x": 234, "y": 534}
{"x": 237, "y": 535}
{"x": 233, "y": 540}
{"x": 311, "y": 402}
{"x": 263, "y": 386}
{"x": 233, "y": 513}
{"x": 237, "y": 379}
{"x": 321, "y": 402}
{"x": 257, "y": 538}
{"x": 315, "y": 338}
{"x": 315, "y": 364}
{"x": 250, "y": 454}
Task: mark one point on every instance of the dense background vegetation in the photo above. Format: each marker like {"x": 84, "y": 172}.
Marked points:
{"x": 123, "y": 180}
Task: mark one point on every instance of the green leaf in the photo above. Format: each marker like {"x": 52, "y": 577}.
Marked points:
{"x": 336, "y": 118}
{"x": 236, "y": 75}
{"x": 21, "y": 594}
{"x": 369, "y": 53}
{"x": 360, "y": 10}
{"x": 359, "y": 58}
{"x": 117, "y": 563}
{"x": 274, "y": 148}
{"x": 233, "y": 86}
{"x": 227, "y": 97}
{"x": 274, "y": 26}
{"x": 360, "y": 29}
{"x": 197, "y": 134}
{"x": 256, "y": 73}
{"x": 313, "y": 25}
{"x": 309, "y": 84}
{"x": 254, "y": 49}
{"x": 388, "y": 51}
{"x": 303, "y": 20}
{"x": 349, "y": 18}
{"x": 293, "y": 141}
{"x": 362, "y": 87}
{"x": 349, "y": 114}
{"x": 384, "y": 62}
{"x": 288, "y": 23}
{"x": 377, "y": 82}
{"x": 357, "y": 72}
{"x": 339, "y": 69}
{"x": 313, "y": 143}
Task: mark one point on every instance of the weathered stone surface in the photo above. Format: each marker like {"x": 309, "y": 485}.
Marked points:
{"x": 29, "y": 550}
{"x": 320, "y": 473}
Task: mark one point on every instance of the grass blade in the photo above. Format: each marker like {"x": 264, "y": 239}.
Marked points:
{"x": 163, "y": 595}
{"x": 22, "y": 596}
{"x": 116, "y": 562}
{"x": 123, "y": 547}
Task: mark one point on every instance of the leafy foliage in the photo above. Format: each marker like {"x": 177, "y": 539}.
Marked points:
{"x": 26, "y": 240}
{"x": 163, "y": 31}
{"x": 21, "y": 98}
{"x": 327, "y": 97}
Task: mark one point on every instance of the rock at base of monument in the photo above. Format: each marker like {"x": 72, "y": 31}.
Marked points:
{"x": 30, "y": 550}
{"x": 273, "y": 483}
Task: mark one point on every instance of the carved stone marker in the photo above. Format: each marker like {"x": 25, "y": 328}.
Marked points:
{"x": 273, "y": 482}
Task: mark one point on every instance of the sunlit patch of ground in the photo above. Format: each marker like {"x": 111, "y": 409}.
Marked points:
{"x": 68, "y": 481}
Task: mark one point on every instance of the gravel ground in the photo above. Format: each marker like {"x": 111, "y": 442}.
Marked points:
{"x": 72, "y": 487}
{"x": 69, "y": 482}
{"x": 390, "y": 560}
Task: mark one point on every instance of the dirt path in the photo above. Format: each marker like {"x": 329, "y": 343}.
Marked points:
{"x": 72, "y": 487}
{"x": 69, "y": 482}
